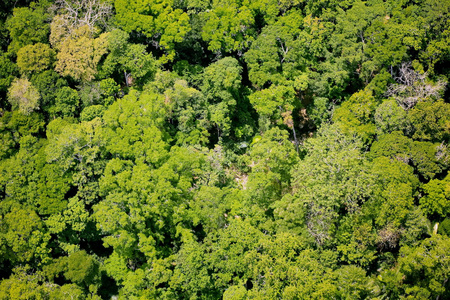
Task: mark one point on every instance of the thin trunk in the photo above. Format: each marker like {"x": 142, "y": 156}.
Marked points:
{"x": 126, "y": 78}
{"x": 295, "y": 138}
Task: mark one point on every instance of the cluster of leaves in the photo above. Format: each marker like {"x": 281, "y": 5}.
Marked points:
{"x": 235, "y": 149}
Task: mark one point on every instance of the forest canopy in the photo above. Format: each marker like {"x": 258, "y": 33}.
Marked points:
{"x": 224, "y": 149}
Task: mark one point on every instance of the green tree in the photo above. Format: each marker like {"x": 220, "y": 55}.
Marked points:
{"x": 27, "y": 26}
{"x": 23, "y": 235}
{"x": 426, "y": 268}
{"x": 430, "y": 121}
{"x": 48, "y": 83}
{"x": 332, "y": 177}
{"x": 389, "y": 117}
{"x": 221, "y": 84}
{"x": 131, "y": 60}
{"x": 271, "y": 160}
{"x": 66, "y": 103}
{"x": 158, "y": 20}
{"x": 356, "y": 115}
{"x": 436, "y": 198}
{"x": 8, "y": 72}
{"x": 228, "y": 26}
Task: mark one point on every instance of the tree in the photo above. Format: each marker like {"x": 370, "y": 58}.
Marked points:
{"x": 412, "y": 87}
{"x": 228, "y": 26}
{"x": 79, "y": 54}
{"x": 221, "y": 84}
{"x": 158, "y": 20}
{"x": 394, "y": 192}
{"x": 23, "y": 236}
{"x": 426, "y": 268}
{"x": 27, "y": 26}
{"x": 436, "y": 198}
{"x": 131, "y": 60}
{"x": 48, "y": 83}
{"x": 356, "y": 115}
{"x": 35, "y": 58}
{"x": 332, "y": 177}
{"x": 66, "y": 103}
{"x": 189, "y": 107}
{"x": 422, "y": 155}
{"x": 271, "y": 160}
{"x": 275, "y": 106}
{"x": 430, "y": 121}
{"x": 79, "y": 13}
{"x": 278, "y": 55}
{"x": 23, "y": 96}
{"x": 389, "y": 117}
{"x": 8, "y": 72}
{"x": 26, "y": 283}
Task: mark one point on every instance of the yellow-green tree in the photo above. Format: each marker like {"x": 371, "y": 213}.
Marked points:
{"x": 23, "y": 96}
{"x": 80, "y": 53}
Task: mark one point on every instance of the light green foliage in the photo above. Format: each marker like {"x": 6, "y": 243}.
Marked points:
{"x": 271, "y": 160}
{"x": 332, "y": 176}
{"x": 422, "y": 155}
{"x": 109, "y": 89}
{"x": 145, "y": 188}
{"x": 143, "y": 208}
{"x": 27, "y": 26}
{"x": 235, "y": 292}
{"x": 228, "y": 25}
{"x": 393, "y": 203}
{"x": 23, "y": 237}
{"x": 73, "y": 216}
{"x": 155, "y": 19}
{"x": 426, "y": 268}
{"x": 136, "y": 136}
{"x": 437, "y": 197}
{"x": 27, "y": 284}
{"x": 275, "y": 105}
{"x": 92, "y": 112}
{"x": 35, "y": 58}
{"x": 235, "y": 149}
{"x": 28, "y": 180}
{"x": 355, "y": 116}
{"x": 356, "y": 240}
{"x": 81, "y": 268}
{"x": 320, "y": 110}
{"x": 19, "y": 125}
{"x": 190, "y": 107}
{"x": 389, "y": 117}
{"x": 75, "y": 148}
{"x": 23, "y": 96}
{"x": 352, "y": 283}
{"x": 430, "y": 120}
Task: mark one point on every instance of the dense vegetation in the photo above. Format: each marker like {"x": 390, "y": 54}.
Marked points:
{"x": 235, "y": 149}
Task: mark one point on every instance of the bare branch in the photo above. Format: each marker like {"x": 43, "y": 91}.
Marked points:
{"x": 411, "y": 87}
{"x": 84, "y": 12}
